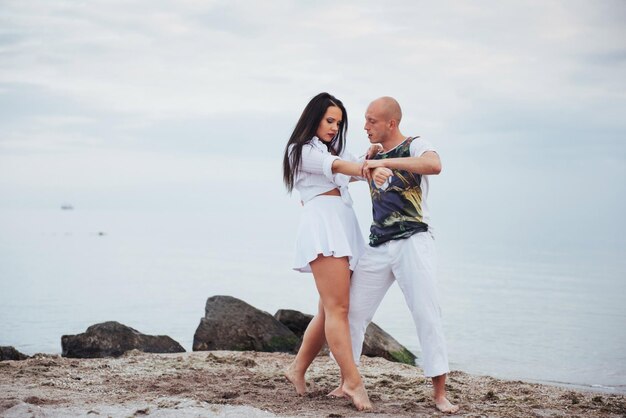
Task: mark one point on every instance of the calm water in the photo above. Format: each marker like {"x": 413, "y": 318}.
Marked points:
{"x": 556, "y": 317}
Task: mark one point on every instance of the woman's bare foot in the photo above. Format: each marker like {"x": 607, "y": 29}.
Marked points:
{"x": 296, "y": 379}
{"x": 337, "y": 393}
{"x": 445, "y": 406}
{"x": 358, "y": 396}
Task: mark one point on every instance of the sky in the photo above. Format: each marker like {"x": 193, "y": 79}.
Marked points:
{"x": 187, "y": 105}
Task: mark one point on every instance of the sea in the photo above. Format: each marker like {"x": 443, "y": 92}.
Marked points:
{"x": 556, "y": 317}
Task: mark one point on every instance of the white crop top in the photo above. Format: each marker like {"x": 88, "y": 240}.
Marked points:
{"x": 315, "y": 175}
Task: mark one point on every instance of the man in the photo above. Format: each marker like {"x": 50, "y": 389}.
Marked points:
{"x": 401, "y": 245}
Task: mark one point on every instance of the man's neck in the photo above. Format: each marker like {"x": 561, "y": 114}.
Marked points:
{"x": 393, "y": 142}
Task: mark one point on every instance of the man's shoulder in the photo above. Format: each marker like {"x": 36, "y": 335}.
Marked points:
{"x": 420, "y": 145}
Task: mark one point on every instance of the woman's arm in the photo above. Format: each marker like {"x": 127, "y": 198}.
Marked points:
{"x": 315, "y": 161}
{"x": 348, "y": 168}
{"x": 349, "y": 158}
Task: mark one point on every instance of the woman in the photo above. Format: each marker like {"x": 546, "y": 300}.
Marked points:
{"x": 329, "y": 239}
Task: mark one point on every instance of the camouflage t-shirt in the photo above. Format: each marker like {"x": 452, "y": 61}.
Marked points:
{"x": 399, "y": 209}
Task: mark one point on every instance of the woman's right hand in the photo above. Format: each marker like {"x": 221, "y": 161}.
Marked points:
{"x": 373, "y": 150}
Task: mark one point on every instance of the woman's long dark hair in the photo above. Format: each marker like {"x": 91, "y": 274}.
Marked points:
{"x": 305, "y": 130}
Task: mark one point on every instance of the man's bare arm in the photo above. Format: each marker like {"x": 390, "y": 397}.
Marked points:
{"x": 427, "y": 163}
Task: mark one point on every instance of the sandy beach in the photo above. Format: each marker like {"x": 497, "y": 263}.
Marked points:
{"x": 250, "y": 384}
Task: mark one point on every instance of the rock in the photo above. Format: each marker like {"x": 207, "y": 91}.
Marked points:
{"x": 296, "y": 321}
{"x": 232, "y": 324}
{"x": 10, "y": 353}
{"x": 112, "y": 339}
{"x": 377, "y": 342}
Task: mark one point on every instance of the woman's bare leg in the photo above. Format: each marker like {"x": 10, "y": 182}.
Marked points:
{"x": 312, "y": 342}
{"x": 338, "y": 392}
{"x": 332, "y": 278}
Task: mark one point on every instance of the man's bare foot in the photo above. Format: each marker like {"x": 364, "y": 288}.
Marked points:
{"x": 296, "y": 379}
{"x": 358, "y": 396}
{"x": 444, "y": 405}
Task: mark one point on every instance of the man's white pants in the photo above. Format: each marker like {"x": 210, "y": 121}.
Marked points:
{"x": 412, "y": 262}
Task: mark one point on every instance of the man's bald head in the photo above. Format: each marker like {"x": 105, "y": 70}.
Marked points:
{"x": 382, "y": 120}
{"x": 388, "y": 108}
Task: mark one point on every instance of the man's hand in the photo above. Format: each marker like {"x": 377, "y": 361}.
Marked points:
{"x": 380, "y": 175}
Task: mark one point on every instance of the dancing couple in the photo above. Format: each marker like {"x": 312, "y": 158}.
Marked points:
{"x": 351, "y": 279}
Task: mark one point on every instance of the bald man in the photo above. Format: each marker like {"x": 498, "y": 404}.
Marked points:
{"x": 401, "y": 244}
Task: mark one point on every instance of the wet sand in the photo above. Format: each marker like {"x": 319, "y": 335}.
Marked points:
{"x": 250, "y": 384}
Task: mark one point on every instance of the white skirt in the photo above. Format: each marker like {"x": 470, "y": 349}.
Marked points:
{"x": 328, "y": 226}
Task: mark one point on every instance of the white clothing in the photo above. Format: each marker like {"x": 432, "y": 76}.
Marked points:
{"x": 412, "y": 262}
{"x": 418, "y": 147}
{"x": 315, "y": 175}
{"x": 328, "y": 226}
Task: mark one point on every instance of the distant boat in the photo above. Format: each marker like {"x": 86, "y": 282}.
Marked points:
{"x": 67, "y": 207}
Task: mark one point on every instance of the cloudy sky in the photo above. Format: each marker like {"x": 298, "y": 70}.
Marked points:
{"x": 140, "y": 103}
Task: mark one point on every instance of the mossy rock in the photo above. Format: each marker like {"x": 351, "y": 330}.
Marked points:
{"x": 403, "y": 356}
{"x": 378, "y": 343}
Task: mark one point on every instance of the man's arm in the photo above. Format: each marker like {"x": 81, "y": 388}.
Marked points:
{"x": 427, "y": 163}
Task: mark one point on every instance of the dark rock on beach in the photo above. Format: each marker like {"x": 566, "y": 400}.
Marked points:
{"x": 10, "y": 353}
{"x": 112, "y": 339}
{"x": 296, "y": 321}
{"x": 377, "y": 342}
{"x": 232, "y": 324}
